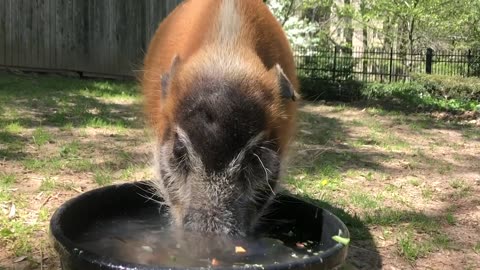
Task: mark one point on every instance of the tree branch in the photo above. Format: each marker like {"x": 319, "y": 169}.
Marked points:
{"x": 287, "y": 14}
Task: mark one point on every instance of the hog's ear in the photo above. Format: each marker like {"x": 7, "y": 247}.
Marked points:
{"x": 167, "y": 76}
{"x": 287, "y": 91}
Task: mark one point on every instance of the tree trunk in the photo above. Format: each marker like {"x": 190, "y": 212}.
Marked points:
{"x": 348, "y": 28}
{"x": 364, "y": 41}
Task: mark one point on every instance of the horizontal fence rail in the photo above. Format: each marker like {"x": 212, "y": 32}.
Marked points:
{"x": 103, "y": 37}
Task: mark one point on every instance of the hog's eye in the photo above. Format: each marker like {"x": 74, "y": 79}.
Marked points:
{"x": 179, "y": 157}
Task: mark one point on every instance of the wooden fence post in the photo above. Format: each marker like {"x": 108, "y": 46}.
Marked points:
{"x": 428, "y": 62}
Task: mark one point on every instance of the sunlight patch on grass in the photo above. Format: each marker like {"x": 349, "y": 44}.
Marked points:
{"x": 461, "y": 189}
{"x": 365, "y": 200}
{"x": 113, "y": 91}
{"x": 47, "y": 165}
{"x": 97, "y": 122}
{"x": 48, "y": 184}
{"x": 14, "y": 127}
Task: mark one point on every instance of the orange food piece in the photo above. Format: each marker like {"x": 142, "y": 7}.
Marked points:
{"x": 239, "y": 249}
{"x": 215, "y": 262}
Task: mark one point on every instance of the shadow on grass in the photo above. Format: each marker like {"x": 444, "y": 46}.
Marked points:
{"x": 425, "y": 117}
{"x": 324, "y": 151}
{"x": 57, "y": 101}
{"x": 40, "y": 102}
{"x": 11, "y": 146}
{"x": 322, "y": 146}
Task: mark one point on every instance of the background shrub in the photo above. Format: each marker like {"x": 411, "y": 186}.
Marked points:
{"x": 450, "y": 87}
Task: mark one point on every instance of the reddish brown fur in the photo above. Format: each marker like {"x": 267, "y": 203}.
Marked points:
{"x": 189, "y": 30}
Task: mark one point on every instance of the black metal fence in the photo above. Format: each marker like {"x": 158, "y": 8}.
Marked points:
{"x": 340, "y": 73}
{"x": 381, "y": 65}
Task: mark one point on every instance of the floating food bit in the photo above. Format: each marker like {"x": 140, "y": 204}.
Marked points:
{"x": 215, "y": 262}
{"x": 294, "y": 255}
{"x": 147, "y": 249}
{"x": 300, "y": 245}
{"x": 239, "y": 249}
{"x": 342, "y": 240}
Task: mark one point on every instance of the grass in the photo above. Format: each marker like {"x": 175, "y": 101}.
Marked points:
{"x": 103, "y": 177}
{"x": 18, "y": 234}
{"x": 41, "y": 136}
{"x": 427, "y": 193}
{"x": 7, "y": 179}
{"x": 364, "y": 200}
{"x": 14, "y": 127}
{"x": 55, "y": 128}
{"x": 461, "y": 189}
{"x": 380, "y": 172}
{"x": 450, "y": 218}
{"x": 410, "y": 248}
{"x": 476, "y": 247}
{"x": 45, "y": 165}
{"x": 414, "y": 182}
{"x": 97, "y": 122}
{"x": 70, "y": 150}
{"x": 48, "y": 184}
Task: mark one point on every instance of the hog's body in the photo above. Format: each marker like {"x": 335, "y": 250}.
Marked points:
{"x": 219, "y": 85}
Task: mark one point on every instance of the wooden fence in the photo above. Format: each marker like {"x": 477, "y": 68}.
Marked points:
{"x": 91, "y": 37}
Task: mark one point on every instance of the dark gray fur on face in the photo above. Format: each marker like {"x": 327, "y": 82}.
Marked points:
{"x": 215, "y": 168}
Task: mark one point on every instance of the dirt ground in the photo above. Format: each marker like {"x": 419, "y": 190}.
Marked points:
{"x": 430, "y": 167}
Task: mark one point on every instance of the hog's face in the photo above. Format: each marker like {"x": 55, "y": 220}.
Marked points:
{"x": 217, "y": 168}
{"x": 223, "y": 135}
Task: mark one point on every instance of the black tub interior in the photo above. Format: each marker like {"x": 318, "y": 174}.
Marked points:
{"x": 123, "y": 225}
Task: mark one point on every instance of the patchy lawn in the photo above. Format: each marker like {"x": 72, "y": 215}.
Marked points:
{"x": 406, "y": 185}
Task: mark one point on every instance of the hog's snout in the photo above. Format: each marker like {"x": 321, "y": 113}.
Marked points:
{"x": 213, "y": 221}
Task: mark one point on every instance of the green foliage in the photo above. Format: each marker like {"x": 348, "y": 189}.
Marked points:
{"x": 425, "y": 92}
{"x": 324, "y": 89}
{"x": 450, "y": 86}
{"x": 405, "y": 24}
{"x": 418, "y": 95}
{"x": 302, "y": 31}
{"x": 398, "y": 90}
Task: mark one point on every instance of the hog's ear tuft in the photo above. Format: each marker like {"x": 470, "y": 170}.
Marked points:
{"x": 167, "y": 76}
{"x": 287, "y": 92}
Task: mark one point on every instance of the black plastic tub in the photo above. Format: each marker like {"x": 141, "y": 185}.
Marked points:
{"x": 289, "y": 215}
